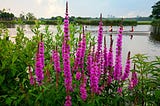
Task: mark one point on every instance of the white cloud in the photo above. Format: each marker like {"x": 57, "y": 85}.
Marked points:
{"x": 52, "y": 7}
{"x": 38, "y": 1}
{"x": 55, "y": 8}
{"x": 135, "y": 14}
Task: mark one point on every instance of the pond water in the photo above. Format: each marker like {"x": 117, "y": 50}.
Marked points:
{"x": 143, "y": 44}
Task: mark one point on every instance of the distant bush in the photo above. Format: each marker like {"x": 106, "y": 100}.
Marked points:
{"x": 49, "y": 22}
{"x": 32, "y": 22}
{"x": 106, "y": 22}
{"x": 156, "y": 22}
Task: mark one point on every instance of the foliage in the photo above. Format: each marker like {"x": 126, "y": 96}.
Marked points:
{"x": 156, "y": 22}
{"x": 148, "y": 90}
{"x": 6, "y": 16}
{"x": 156, "y": 10}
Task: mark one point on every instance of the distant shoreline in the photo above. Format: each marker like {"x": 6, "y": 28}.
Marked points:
{"x": 84, "y": 22}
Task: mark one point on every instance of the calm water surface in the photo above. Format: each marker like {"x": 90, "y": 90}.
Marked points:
{"x": 139, "y": 44}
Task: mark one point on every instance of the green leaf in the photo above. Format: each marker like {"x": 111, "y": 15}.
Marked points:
{"x": 2, "y": 77}
{"x": 8, "y": 101}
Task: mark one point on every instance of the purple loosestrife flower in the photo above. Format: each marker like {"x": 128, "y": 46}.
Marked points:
{"x": 89, "y": 63}
{"x": 66, "y": 55}
{"x": 68, "y": 101}
{"x": 118, "y": 61}
{"x": 83, "y": 50}
{"x": 119, "y": 90}
{"x": 101, "y": 63}
{"x": 78, "y": 57}
{"x": 105, "y": 56}
{"x": 78, "y": 75}
{"x": 94, "y": 77}
{"x": 56, "y": 60}
{"x": 110, "y": 61}
{"x": 109, "y": 80}
{"x": 100, "y": 37}
{"x": 39, "y": 65}
{"x": 41, "y": 51}
{"x": 133, "y": 81}
{"x": 127, "y": 68}
{"x": 83, "y": 91}
{"x": 110, "y": 54}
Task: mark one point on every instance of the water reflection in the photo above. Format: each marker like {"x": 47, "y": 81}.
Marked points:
{"x": 136, "y": 43}
{"x": 154, "y": 38}
{"x": 155, "y": 33}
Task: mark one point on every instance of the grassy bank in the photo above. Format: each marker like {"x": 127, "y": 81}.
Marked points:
{"x": 106, "y": 22}
{"x": 156, "y": 22}
{"x": 144, "y": 22}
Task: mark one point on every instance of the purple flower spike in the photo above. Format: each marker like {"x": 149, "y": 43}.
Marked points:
{"x": 94, "y": 77}
{"x": 68, "y": 101}
{"x": 78, "y": 75}
{"x": 89, "y": 63}
{"x": 133, "y": 81}
{"x": 127, "y": 68}
{"x": 119, "y": 90}
{"x": 105, "y": 55}
{"x": 110, "y": 54}
{"x": 56, "y": 60}
{"x": 39, "y": 65}
{"x": 100, "y": 37}
{"x": 118, "y": 61}
{"x": 110, "y": 62}
{"x": 41, "y": 51}
{"x": 66, "y": 55}
{"x": 83, "y": 91}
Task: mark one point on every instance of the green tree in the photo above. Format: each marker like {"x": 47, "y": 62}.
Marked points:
{"x": 22, "y": 16}
{"x": 156, "y": 11}
{"x": 30, "y": 16}
{"x": 6, "y": 16}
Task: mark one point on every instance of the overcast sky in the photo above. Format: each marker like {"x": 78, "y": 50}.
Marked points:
{"x": 87, "y": 8}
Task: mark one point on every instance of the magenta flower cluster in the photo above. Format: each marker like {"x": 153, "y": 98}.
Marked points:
{"x": 66, "y": 54}
{"x": 78, "y": 75}
{"x": 80, "y": 54}
{"x": 66, "y": 60}
{"x": 89, "y": 63}
{"x": 39, "y": 65}
{"x": 56, "y": 60}
{"x": 127, "y": 68}
{"x": 78, "y": 57}
{"x": 119, "y": 90}
{"x": 94, "y": 77}
{"x": 105, "y": 53}
{"x": 133, "y": 81}
{"x": 118, "y": 62}
{"x": 83, "y": 45}
{"x": 68, "y": 101}
{"x": 83, "y": 91}
{"x": 110, "y": 62}
{"x": 100, "y": 37}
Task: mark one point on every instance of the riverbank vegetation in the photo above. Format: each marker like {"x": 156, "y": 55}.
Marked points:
{"x": 77, "y": 21}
